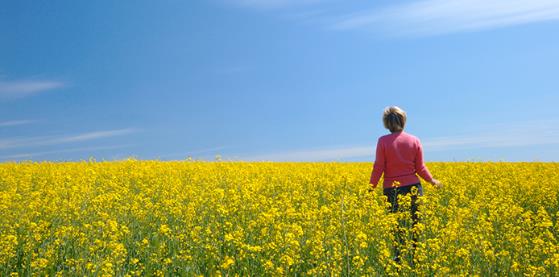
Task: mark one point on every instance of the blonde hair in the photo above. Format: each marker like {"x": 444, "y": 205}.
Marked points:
{"x": 394, "y": 119}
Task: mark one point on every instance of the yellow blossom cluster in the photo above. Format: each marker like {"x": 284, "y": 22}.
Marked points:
{"x": 136, "y": 218}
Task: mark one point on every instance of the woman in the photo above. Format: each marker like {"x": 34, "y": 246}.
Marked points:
{"x": 399, "y": 156}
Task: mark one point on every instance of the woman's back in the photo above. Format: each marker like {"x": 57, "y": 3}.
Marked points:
{"x": 399, "y": 155}
{"x": 400, "y": 151}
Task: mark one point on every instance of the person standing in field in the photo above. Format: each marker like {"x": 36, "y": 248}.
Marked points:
{"x": 399, "y": 156}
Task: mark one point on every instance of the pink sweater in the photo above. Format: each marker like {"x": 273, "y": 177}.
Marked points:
{"x": 399, "y": 156}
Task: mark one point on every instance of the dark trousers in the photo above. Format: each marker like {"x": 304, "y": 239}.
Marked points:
{"x": 392, "y": 195}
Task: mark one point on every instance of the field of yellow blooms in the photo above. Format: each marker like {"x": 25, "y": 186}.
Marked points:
{"x": 131, "y": 218}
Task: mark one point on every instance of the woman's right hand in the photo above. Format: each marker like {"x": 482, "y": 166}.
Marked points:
{"x": 437, "y": 183}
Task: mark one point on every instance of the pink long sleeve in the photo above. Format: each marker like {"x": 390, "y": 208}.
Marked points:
{"x": 420, "y": 167}
{"x": 399, "y": 158}
{"x": 378, "y": 166}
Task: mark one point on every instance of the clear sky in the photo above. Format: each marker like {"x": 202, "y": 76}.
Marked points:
{"x": 301, "y": 80}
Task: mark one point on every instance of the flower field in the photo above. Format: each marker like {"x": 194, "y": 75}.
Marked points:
{"x": 226, "y": 218}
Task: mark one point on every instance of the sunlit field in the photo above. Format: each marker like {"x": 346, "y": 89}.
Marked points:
{"x": 226, "y": 218}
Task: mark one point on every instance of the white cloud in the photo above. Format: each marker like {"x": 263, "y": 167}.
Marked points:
{"x": 11, "y": 123}
{"x": 24, "y": 88}
{"x": 432, "y": 17}
{"x": 518, "y": 134}
{"x": 81, "y": 149}
{"x": 54, "y": 140}
{"x": 93, "y": 135}
{"x": 506, "y": 135}
{"x": 194, "y": 152}
{"x": 325, "y": 154}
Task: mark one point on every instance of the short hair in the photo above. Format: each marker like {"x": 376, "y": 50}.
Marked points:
{"x": 394, "y": 119}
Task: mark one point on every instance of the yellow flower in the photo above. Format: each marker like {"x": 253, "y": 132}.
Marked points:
{"x": 138, "y": 218}
{"x": 227, "y": 262}
{"x": 40, "y": 263}
{"x": 164, "y": 229}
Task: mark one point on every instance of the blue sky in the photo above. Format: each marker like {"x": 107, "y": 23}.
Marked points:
{"x": 277, "y": 79}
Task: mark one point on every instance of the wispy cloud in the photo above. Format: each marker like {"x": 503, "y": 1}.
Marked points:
{"x": 324, "y": 154}
{"x": 60, "y": 151}
{"x": 432, "y": 17}
{"x": 11, "y": 123}
{"x": 54, "y": 140}
{"x": 93, "y": 135}
{"x": 518, "y": 134}
{"x": 193, "y": 152}
{"x": 507, "y": 135}
{"x": 25, "y": 88}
